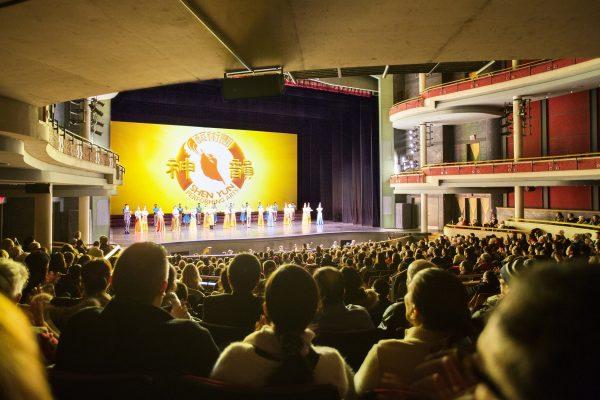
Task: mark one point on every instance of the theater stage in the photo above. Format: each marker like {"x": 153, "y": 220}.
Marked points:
{"x": 219, "y": 240}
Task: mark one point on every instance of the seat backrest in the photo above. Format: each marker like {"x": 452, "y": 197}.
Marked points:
{"x": 353, "y": 345}
{"x": 194, "y": 388}
{"x": 225, "y": 335}
{"x": 71, "y": 385}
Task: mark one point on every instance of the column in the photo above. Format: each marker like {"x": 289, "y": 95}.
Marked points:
{"x": 519, "y": 203}
{"x": 517, "y": 153}
{"x": 42, "y": 227}
{"x": 424, "y": 213}
{"x": 422, "y": 82}
{"x": 514, "y": 64}
{"x": 422, "y": 145}
{"x": 84, "y": 218}
{"x": 387, "y": 206}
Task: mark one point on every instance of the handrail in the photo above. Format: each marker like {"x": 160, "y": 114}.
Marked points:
{"x": 557, "y": 223}
{"x": 522, "y": 159}
{"x": 485, "y": 228}
{"x": 425, "y": 93}
{"x": 74, "y": 145}
{"x": 527, "y": 160}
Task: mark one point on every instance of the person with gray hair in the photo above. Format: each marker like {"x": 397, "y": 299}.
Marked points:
{"x": 13, "y": 278}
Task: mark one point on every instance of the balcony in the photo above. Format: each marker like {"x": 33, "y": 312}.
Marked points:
{"x": 483, "y": 97}
{"x": 535, "y": 171}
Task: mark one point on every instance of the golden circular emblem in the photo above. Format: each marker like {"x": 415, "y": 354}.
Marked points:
{"x": 210, "y": 167}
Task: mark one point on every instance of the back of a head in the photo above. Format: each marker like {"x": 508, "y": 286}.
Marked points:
{"x": 243, "y": 273}
{"x": 416, "y": 266}
{"x": 37, "y": 264}
{"x": 95, "y": 276}
{"x": 13, "y": 278}
{"x": 441, "y": 300}
{"x": 331, "y": 285}
{"x": 140, "y": 272}
{"x": 525, "y": 343}
{"x": 291, "y": 297}
{"x": 190, "y": 276}
{"x": 381, "y": 286}
{"x": 268, "y": 267}
{"x": 352, "y": 279}
{"x": 22, "y": 375}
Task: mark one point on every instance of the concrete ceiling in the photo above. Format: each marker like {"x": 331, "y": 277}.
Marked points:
{"x": 54, "y": 50}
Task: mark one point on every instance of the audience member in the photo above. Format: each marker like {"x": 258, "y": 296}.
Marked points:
{"x": 281, "y": 352}
{"x": 436, "y": 307}
{"x": 333, "y": 314}
{"x": 239, "y": 308}
{"x": 132, "y": 333}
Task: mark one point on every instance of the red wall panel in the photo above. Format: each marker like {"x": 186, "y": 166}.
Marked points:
{"x": 569, "y": 124}
{"x": 571, "y": 197}
{"x": 533, "y": 199}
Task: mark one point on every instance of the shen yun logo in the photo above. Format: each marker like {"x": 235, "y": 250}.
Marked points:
{"x": 210, "y": 167}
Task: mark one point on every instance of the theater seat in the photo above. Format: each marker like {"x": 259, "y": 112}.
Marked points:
{"x": 353, "y": 345}
{"x": 225, "y": 335}
{"x": 194, "y": 388}
{"x": 75, "y": 386}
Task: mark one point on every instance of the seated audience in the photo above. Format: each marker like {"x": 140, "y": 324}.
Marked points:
{"x": 191, "y": 278}
{"x": 37, "y": 264}
{"x": 281, "y": 353}
{"x": 382, "y": 288}
{"x": 95, "y": 278}
{"x": 239, "y": 308}
{"x": 132, "y": 333}
{"x": 354, "y": 293}
{"x": 541, "y": 343}
{"x": 436, "y": 307}
{"x": 333, "y": 314}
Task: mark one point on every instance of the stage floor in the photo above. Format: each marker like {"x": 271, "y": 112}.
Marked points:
{"x": 220, "y": 240}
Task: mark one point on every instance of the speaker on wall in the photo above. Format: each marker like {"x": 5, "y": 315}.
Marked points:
{"x": 253, "y": 86}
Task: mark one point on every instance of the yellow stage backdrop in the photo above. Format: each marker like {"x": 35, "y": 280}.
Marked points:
{"x": 169, "y": 164}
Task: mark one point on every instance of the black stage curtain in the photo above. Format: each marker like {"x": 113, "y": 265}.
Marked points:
{"x": 338, "y": 139}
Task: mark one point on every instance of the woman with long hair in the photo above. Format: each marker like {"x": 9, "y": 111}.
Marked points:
{"x": 281, "y": 352}
{"x": 437, "y": 308}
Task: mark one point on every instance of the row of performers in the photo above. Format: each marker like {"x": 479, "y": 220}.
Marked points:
{"x": 191, "y": 217}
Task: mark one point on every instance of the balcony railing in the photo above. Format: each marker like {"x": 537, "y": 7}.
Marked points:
{"x": 81, "y": 148}
{"x": 503, "y": 75}
{"x": 570, "y": 162}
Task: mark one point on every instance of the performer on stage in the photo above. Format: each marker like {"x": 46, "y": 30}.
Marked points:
{"x": 232, "y": 218}
{"x": 207, "y": 217}
{"x": 243, "y": 214}
{"x": 199, "y": 214}
{"x": 186, "y": 216}
{"x": 275, "y": 210}
{"x": 193, "y": 213}
{"x": 286, "y": 215}
{"x": 138, "y": 220}
{"x": 154, "y": 211}
{"x": 227, "y": 212}
{"x": 213, "y": 216}
{"x": 127, "y": 218}
{"x": 293, "y": 211}
{"x": 309, "y": 214}
{"x": 320, "y": 214}
{"x": 145, "y": 220}
{"x": 248, "y": 215}
{"x": 175, "y": 224}
{"x": 270, "y": 221}
{"x": 159, "y": 220}
{"x": 261, "y": 210}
